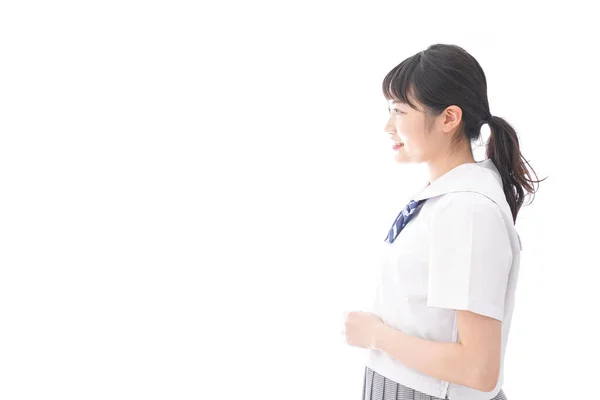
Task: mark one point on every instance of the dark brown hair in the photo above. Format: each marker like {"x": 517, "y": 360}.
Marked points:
{"x": 444, "y": 75}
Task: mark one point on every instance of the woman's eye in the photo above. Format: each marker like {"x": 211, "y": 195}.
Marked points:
{"x": 397, "y": 111}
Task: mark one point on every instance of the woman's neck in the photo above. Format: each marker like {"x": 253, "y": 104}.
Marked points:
{"x": 440, "y": 167}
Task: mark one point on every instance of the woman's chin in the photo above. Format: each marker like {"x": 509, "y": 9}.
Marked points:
{"x": 401, "y": 158}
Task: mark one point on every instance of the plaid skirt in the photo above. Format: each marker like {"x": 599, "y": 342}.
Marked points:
{"x": 378, "y": 387}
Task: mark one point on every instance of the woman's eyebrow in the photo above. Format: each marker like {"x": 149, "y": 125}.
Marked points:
{"x": 394, "y": 103}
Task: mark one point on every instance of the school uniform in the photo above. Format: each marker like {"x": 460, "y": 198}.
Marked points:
{"x": 459, "y": 250}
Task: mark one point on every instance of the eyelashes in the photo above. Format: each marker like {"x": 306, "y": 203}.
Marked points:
{"x": 396, "y": 111}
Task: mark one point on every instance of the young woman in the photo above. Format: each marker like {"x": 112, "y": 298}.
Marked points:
{"x": 442, "y": 312}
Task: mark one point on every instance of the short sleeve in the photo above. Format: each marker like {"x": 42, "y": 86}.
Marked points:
{"x": 470, "y": 255}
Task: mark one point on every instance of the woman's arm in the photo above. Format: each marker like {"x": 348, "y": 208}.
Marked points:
{"x": 472, "y": 362}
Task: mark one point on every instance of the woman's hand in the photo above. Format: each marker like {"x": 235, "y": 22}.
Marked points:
{"x": 362, "y": 329}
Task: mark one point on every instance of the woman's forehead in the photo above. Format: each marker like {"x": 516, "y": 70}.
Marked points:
{"x": 393, "y": 102}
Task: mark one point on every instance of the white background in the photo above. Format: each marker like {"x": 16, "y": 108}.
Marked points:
{"x": 192, "y": 194}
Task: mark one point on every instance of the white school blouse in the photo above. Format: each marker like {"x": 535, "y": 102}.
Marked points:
{"x": 460, "y": 251}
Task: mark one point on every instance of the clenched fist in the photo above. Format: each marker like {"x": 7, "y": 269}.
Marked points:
{"x": 362, "y": 329}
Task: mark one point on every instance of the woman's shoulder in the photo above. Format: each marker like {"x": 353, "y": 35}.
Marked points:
{"x": 466, "y": 200}
{"x": 468, "y": 214}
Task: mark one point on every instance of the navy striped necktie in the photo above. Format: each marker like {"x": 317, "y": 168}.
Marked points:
{"x": 402, "y": 219}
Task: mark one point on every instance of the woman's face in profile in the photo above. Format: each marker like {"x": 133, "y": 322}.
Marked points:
{"x": 408, "y": 126}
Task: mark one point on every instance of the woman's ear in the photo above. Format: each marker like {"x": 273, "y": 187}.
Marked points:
{"x": 452, "y": 118}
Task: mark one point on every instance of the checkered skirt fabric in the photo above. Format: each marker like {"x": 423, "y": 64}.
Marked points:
{"x": 378, "y": 387}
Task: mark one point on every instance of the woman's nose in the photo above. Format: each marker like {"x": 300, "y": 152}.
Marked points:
{"x": 389, "y": 124}
{"x": 389, "y": 128}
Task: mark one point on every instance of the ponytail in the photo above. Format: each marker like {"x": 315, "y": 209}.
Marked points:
{"x": 503, "y": 149}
